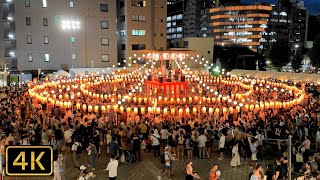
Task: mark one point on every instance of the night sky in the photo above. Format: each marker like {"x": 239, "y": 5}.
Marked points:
{"x": 312, "y": 5}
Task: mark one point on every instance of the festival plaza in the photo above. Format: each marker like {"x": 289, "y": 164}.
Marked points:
{"x": 160, "y": 90}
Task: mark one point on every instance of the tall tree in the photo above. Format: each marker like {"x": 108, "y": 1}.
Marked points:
{"x": 297, "y": 61}
{"x": 280, "y": 54}
{"x": 314, "y": 52}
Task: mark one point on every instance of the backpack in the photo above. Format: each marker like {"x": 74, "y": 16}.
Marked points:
{"x": 79, "y": 149}
{"x": 180, "y": 140}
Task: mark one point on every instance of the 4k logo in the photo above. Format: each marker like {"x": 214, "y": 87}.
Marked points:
{"x": 29, "y": 160}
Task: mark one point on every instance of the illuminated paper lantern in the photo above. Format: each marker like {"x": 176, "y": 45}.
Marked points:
{"x": 121, "y": 109}
{"x": 78, "y": 106}
{"x": 180, "y": 112}
{"x": 103, "y": 108}
{"x": 217, "y": 110}
{"x": 116, "y": 108}
{"x": 89, "y": 108}
{"x": 135, "y": 110}
{"x": 96, "y": 109}
{"x": 251, "y": 107}
{"x": 187, "y": 111}
{"x": 246, "y": 107}
{"x": 231, "y": 110}
{"x": 210, "y": 111}
{"x": 204, "y": 109}
{"x": 172, "y": 101}
{"x": 165, "y": 111}
{"x": 128, "y": 110}
{"x": 158, "y": 110}
{"x": 84, "y": 107}
{"x": 143, "y": 110}
{"x": 173, "y": 111}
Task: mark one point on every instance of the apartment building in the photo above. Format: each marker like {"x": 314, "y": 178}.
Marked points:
{"x": 141, "y": 25}
{"x": 240, "y": 25}
{"x": 56, "y": 34}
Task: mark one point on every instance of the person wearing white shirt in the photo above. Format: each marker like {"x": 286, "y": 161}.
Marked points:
{"x": 113, "y": 167}
{"x": 155, "y": 142}
{"x": 222, "y": 143}
{"x": 202, "y": 139}
{"x": 164, "y": 135}
{"x": 76, "y": 154}
{"x": 68, "y": 139}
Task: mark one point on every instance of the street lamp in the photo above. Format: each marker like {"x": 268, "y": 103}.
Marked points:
{"x": 70, "y": 25}
{"x": 295, "y": 48}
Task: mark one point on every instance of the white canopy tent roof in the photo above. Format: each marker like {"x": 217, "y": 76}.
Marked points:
{"x": 312, "y": 78}
{"x": 59, "y": 73}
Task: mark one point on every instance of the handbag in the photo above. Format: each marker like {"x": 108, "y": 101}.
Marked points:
{"x": 122, "y": 159}
{"x": 299, "y": 157}
{"x": 89, "y": 153}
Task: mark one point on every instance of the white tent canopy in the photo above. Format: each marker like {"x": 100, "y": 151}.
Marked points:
{"x": 312, "y": 78}
{"x": 61, "y": 73}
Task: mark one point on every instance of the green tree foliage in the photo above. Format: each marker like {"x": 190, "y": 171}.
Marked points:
{"x": 314, "y": 52}
{"x": 280, "y": 54}
{"x": 296, "y": 61}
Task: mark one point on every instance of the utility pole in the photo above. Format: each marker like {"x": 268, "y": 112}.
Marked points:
{"x": 289, "y": 156}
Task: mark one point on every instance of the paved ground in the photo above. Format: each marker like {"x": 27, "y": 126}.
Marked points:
{"x": 149, "y": 168}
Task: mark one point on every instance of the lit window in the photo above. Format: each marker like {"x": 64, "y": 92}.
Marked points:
{"x": 30, "y": 58}
{"x": 46, "y": 40}
{"x": 27, "y": 3}
{"x": 44, "y": 3}
{"x": 73, "y": 39}
{"x": 179, "y": 16}
{"x": 104, "y": 24}
{"x": 123, "y": 33}
{"x": 139, "y": 3}
{"x": 29, "y": 39}
{"x": 71, "y": 4}
{"x": 104, "y": 41}
{"x": 138, "y": 32}
{"x": 46, "y": 57}
{"x": 105, "y": 57}
{"x": 74, "y": 56}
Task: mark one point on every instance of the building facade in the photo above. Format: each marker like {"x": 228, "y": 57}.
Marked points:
{"x": 188, "y": 18}
{"x": 141, "y": 25}
{"x": 258, "y": 26}
{"x": 240, "y": 25}
{"x": 59, "y": 34}
{"x": 202, "y": 46}
{"x": 289, "y": 22}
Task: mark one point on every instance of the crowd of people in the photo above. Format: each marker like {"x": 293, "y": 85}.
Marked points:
{"x": 245, "y": 136}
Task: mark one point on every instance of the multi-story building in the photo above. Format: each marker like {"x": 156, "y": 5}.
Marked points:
{"x": 240, "y": 25}
{"x": 287, "y": 21}
{"x": 188, "y": 18}
{"x": 175, "y": 13}
{"x": 257, "y": 26}
{"x": 58, "y": 34}
{"x": 141, "y": 25}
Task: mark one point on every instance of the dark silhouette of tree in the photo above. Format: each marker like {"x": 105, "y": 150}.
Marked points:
{"x": 314, "y": 52}
{"x": 280, "y": 54}
{"x": 296, "y": 61}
